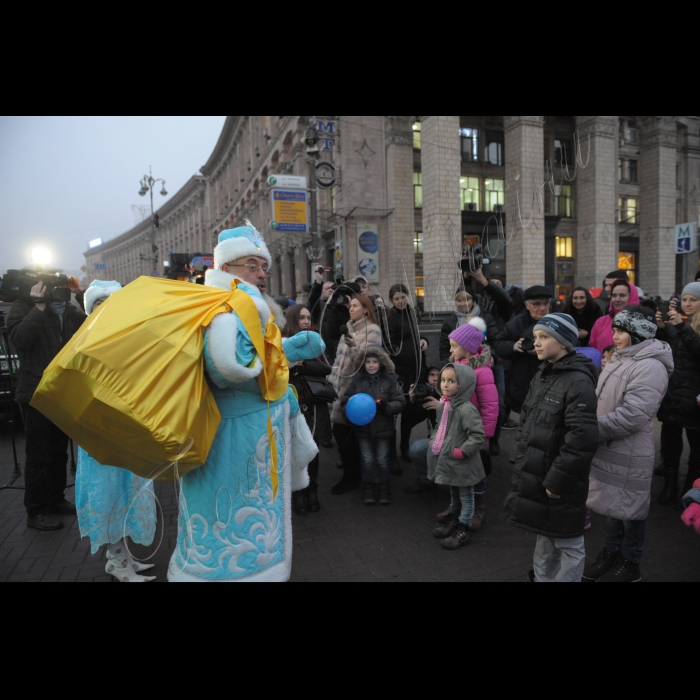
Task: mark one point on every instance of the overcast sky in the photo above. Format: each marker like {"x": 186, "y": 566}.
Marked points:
{"x": 67, "y": 180}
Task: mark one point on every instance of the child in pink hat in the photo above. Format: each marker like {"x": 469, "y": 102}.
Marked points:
{"x": 468, "y": 348}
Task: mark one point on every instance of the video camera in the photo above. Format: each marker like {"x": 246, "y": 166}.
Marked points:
{"x": 342, "y": 294}
{"x": 423, "y": 391}
{"x": 473, "y": 258}
{"x": 17, "y": 284}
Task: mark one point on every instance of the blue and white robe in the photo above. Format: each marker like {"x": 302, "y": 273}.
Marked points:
{"x": 229, "y": 526}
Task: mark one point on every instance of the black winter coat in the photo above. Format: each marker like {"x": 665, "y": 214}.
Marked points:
{"x": 554, "y": 448}
{"x": 403, "y": 344}
{"x": 524, "y": 365}
{"x": 328, "y": 320}
{"x": 585, "y": 318}
{"x": 38, "y": 338}
{"x": 493, "y": 300}
{"x": 680, "y": 405}
{"x": 386, "y": 387}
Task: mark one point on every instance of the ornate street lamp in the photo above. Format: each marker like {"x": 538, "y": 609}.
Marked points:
{"x": 147, "y": 184}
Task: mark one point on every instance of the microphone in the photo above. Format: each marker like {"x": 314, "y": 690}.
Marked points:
{"x": 344, "y": 330}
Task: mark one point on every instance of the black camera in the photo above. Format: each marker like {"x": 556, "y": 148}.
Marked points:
{"x": 423, "y": 391}
{"x": 527, "y": 344}
{"x": 342, "y": 293}
{"x": 473, "y": 258}
{"x": 17, "y": 284}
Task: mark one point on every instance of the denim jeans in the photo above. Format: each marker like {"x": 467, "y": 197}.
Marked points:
{"x": 418, "y": 452}
{"x": 462, "y": 503}
{"x": 559, "y": 559}
{"x": 626, "y": 537}
{"x": 369, "y": 451}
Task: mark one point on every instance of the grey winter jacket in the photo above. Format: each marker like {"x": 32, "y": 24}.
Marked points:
{"x": 465, "y": 430}
{"x": 363, "y": 333}
{"x": 630, "y": 390}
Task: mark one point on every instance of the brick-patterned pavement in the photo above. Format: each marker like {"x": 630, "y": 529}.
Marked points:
{"x": 347, "y": 541}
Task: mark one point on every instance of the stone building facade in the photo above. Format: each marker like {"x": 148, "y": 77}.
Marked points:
{"x": 554, "y": 200}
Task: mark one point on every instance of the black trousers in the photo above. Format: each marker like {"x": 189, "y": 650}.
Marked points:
{"x": 672, "y": 449}
{"x": 313, "y": 423}
{"x": 349, "y": 450}
{"x": 46, "y": 456}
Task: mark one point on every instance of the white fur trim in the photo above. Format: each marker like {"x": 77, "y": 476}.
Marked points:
{"x": 303, "y": 449}
{"x": 99, "y": 290}
{"x": 222, "y": 280}
{"x": 221, "y": 335}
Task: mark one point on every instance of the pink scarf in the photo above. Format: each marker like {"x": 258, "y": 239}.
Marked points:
{"x": 442, "y": 429}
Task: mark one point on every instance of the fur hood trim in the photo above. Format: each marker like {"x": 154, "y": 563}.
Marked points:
{"x": 384, "y": 358}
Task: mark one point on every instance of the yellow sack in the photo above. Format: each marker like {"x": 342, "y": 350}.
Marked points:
{"x": 129, "y": 388}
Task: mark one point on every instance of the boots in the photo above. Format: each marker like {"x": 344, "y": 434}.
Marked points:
{"x": 670, "y": 490}
{"x": 123, "y": 567}
{"x": 369, "y": 498}
{"x": 384, "y": 494}
{"x": 479, "y": 510}
{"x": 458, "y": 538}
{"x": 299, "y": 502}
{"x": 312, "y": 497}
{"x": 447, "y": 524}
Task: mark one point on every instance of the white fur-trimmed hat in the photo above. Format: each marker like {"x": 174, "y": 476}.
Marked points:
{"x": 235, "y": 243}
{"x": 99, "y": 289}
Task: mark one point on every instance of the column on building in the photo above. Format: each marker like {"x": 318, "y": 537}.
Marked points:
{"x": 596, "y": 237}
{"x": 657, "y": 166}
{"x": 690, "y": 211}
{"x": 400, "y": 265}
{"x": 524, "y": 147}
{"x": 442, "y": 218}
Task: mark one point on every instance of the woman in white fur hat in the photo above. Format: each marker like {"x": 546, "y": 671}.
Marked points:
{"x": 111, "y": 502}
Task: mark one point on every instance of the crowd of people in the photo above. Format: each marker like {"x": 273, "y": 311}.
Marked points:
{"x": 586, "y": 382}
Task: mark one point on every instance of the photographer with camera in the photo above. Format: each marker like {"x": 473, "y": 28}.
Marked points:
{"x": 329, "y": 304}
{"x": 516, "y": 343}
{"x": 40, "y": 324}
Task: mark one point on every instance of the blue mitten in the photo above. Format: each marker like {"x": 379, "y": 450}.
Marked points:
{"x": 305, "y": 345}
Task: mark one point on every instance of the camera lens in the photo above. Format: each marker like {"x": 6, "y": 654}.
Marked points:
{"x": 528, "y": 344}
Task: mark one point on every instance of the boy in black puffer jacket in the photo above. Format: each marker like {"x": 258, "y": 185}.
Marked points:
{"x": 375, "y": 376}
{"x": 556, "y": 443}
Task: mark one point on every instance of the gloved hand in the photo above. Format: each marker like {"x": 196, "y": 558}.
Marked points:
{"x": 381, "y": 405}
{"x": 305, "y": 345}
{"x": 457, "y": 453}
{"x": 691, "y": 516}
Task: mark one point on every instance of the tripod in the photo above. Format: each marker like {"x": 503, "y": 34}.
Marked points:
{"x": 9, "y": 366}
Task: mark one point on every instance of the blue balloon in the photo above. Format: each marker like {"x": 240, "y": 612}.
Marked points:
{"x": 361, "y": 409}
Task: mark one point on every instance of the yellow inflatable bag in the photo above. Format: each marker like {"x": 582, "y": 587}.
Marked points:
{"x": 129, "y": 387}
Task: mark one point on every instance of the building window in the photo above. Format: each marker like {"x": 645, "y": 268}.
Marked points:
{"x": 418, "y": 243}
{"x": 418, "y": 190}
{"x": 564, "y": 202}
{"x": 628, "y": 261}
{"x": 416, "y": 135}
{"x": 627, "y": 170}
{"x": 493, "y": 152}
{"x": 334, "y": 198}
{"x": 469, "y": 139}
{"x": 627, "y": 210}
{"x": 562, "y": 152}
{"x": 565, "y": 246}
{"x": 469, "y": 193}
{"x": 632, "y": 131}
{"x": 495, "y": 193}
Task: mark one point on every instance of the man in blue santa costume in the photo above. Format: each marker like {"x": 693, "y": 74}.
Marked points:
{"x": 235, "y": 510}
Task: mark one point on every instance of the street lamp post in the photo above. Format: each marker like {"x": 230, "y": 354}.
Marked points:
{"x": 313, "y": 251}
{"x": 147, "y": 184}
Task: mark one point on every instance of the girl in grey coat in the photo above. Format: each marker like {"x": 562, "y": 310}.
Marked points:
{"x": 453, "y": 452}
{"x": 630, "y": 390}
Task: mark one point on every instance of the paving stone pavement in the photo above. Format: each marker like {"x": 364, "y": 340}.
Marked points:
{"x": 346, "y": 540}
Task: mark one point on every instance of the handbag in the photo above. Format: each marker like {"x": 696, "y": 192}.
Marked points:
{"x": 318, "y": 389}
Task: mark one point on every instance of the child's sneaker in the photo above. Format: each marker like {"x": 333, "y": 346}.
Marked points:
{"x": 447, "y": 526}
{"x": 384, "y": 494}
{"x": 459, "y": 537}
{"x": 369, "y": 498}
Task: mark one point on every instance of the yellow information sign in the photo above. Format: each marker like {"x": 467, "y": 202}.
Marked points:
{"x": 289, "y": 210}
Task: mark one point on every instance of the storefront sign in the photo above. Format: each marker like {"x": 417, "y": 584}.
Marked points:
{"x": 288, "y": 210}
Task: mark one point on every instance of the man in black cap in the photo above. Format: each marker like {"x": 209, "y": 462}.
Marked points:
{"x": 516, "y": 343}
